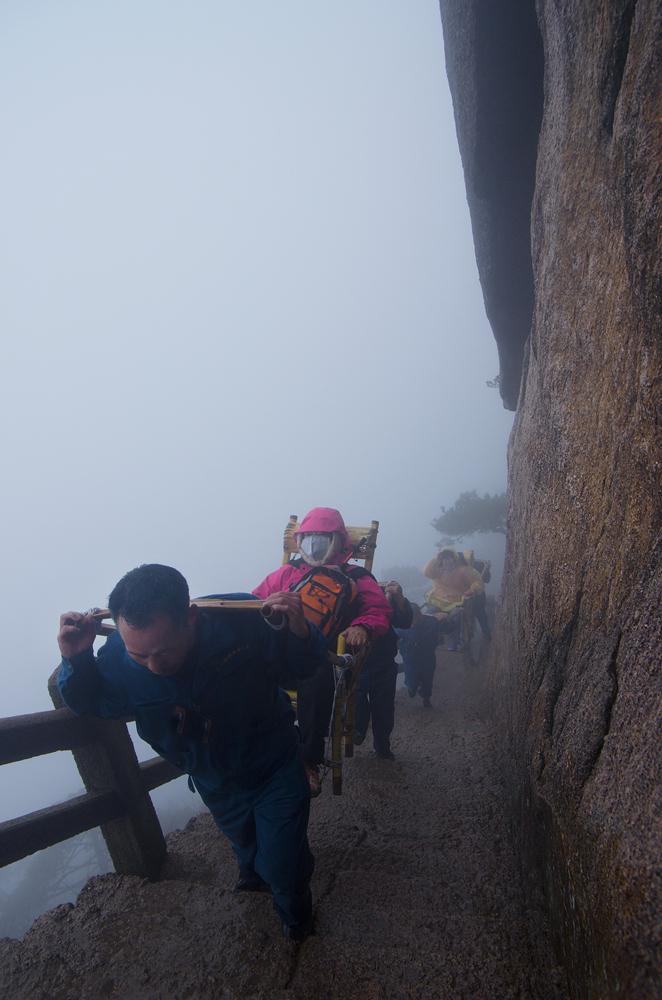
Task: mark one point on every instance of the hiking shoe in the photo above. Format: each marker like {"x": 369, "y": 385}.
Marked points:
{"x": 412, "y": 692}
{"x": 313, "y": 772}
{"x": 426, "y": 704}
{"x": 245, "y": 886}
{"x": 387, "y": 755}
{"x": 300, "y": 931}
{"x": 358, "y": 739}
{"x": 452, "y": 647}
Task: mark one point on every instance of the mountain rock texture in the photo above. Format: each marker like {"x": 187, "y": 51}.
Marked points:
{"x": 579, "y": 650}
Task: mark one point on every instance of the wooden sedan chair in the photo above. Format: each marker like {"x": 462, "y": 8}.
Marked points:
{"x": 347, "y": 669}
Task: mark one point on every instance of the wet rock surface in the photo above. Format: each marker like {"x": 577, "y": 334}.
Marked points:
{"x": 578, "y": 690}
{"x": 417, "y": 891}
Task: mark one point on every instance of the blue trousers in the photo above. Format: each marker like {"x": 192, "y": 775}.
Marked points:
{"x": 267, "y": 827}
{"x": 419, "y": 674}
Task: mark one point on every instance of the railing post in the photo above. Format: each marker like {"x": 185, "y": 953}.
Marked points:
{"x": 135, "y": 842}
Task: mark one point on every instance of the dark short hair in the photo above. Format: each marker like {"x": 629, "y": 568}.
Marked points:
{"x": 148, "y": 592}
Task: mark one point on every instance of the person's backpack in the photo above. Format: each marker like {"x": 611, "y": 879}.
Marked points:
{"x": 326, "y": 592}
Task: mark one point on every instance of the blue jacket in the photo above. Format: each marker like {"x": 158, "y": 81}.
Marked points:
{"x": 229, "y": 678}
{"x": 418, "y": 643}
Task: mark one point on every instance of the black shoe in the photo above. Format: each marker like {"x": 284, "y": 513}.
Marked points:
{"x": 487, "y": 635}
{"x": 300, "y": 931}
{"x": 244, "y": 886}
{"x": 358, "y": 739}
{"x": 387, "y": 755}
{"x": 427, "y": 703}
{"x": 412, "y": 692}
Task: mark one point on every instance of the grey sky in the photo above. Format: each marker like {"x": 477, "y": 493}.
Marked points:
{"x": 238, "y": 282}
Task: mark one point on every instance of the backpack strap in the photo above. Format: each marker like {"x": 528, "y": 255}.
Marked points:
{"x": 357, "y": 572}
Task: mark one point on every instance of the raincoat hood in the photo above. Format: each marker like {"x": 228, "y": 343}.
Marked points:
{"x": 330, "y": 520}
{"x": 449, "y": 548}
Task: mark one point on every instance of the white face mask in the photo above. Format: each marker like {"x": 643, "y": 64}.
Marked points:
{"x": 315, "y": 548}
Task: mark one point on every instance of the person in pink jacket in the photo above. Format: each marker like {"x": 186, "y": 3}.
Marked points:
{"x": 322, "y": 540}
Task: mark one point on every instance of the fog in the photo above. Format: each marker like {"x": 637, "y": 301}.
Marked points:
{"x": 238, "y": 282}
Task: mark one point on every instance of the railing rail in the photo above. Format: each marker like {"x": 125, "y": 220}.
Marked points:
{"x": 26, "y": 736}
{"x": 117, "y": 788}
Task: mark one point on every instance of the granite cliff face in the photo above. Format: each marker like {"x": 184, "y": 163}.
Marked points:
{"x": 579, "y": 657}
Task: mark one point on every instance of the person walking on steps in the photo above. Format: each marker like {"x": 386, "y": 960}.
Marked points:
{"x": 418, "y": 646}
{"x": 202, "y": 688}
{"x": 482, "y": 566}
{"x": 375, "y": 696}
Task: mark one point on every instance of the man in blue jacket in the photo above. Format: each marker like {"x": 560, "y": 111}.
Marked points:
{"x": 203, "y": 689}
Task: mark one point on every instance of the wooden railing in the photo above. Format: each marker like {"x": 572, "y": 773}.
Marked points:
{"x": 117, "y": 788}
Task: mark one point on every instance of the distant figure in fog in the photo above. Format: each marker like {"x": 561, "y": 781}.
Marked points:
{"x": 375, "y": 696}
{"x": 451, "y": 584}
{"x": 418, "y": 646}
{"x": 481, "y": 566}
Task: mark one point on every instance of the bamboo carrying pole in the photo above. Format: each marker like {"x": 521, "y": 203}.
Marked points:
{"x": 348, "y": 723}
{"x": 336, "y": 730}
{"x": 275, "y": 618}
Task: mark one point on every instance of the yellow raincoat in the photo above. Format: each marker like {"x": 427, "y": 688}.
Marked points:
{"x": 450, "y": 586}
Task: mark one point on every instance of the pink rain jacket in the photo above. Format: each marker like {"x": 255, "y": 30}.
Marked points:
{"x": 371, "y": 607}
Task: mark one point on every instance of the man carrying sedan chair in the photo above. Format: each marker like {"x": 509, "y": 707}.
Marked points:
{"x": 202, "y": 687}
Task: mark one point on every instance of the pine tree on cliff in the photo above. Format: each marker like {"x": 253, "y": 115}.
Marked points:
{"x": 472, "y": 515}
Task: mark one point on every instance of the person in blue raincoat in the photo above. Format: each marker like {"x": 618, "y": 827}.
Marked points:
{"x": 418, "y": 646}
{"x": 203, "y": 689}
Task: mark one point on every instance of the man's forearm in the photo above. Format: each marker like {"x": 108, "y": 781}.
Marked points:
{"x": 80, "y": 684}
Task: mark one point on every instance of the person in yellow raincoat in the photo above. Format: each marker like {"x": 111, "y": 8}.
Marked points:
{"x": 451, "y": 583}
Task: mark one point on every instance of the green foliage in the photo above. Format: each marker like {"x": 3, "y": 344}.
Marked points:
{"x": 472, "y": 515}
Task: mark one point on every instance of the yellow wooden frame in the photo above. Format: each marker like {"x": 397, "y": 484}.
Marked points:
{"x": 364, "y": 541}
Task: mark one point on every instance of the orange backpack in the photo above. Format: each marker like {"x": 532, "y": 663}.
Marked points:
{"x": 326, "y": 592}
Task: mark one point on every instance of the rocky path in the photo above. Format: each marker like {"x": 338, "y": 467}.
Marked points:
{"x": 417, "y": 892}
